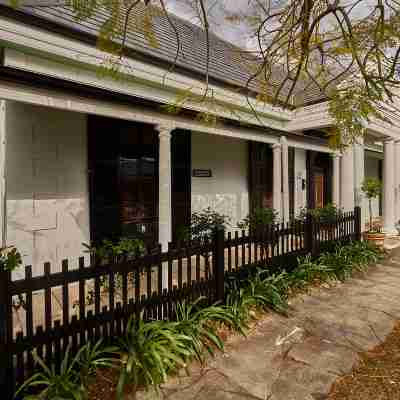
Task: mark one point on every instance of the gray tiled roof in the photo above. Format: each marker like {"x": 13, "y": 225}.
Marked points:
{"x": 228, "y": 63}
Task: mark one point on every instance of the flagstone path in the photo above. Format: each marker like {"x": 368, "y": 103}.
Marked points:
{"x": 298, "y": 358}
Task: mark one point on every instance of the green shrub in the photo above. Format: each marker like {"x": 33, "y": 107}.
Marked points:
{"x": 112, "y": 251}
{"x": 94, "y": 356}
{"x": 325, "y": 215}
{"x": 149, "y": 351}
{"x": 65, "y": 385}
{"x": 255, "y": 289}
{"x": 107, "y": 251}
{"x": 259, "y": 218}
{"x": 238, "y": 305}
{"x": 71, "y": 383}
{"x": 10, "y": 259}
{"x": 351, "y": 257}
{"x": 308, "y": 271}
{"x": 197, "y": 323}
{"x": 269, "y": 291}
{"x": 203, "y": 224}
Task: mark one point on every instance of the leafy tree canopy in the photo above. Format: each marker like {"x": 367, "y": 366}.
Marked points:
{"x": 346, "y": 50}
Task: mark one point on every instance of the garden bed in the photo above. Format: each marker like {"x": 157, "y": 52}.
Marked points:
{"x": 376, "y": 377}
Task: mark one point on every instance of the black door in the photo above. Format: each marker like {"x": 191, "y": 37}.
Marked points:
{"x": 181, "y": 159}
{"x": 123, "y": 163}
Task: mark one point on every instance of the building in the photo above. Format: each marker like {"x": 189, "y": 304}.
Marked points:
{"x": 85, "y": 156}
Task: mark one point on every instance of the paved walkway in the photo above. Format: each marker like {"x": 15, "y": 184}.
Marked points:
{"x": 298, "y": 358}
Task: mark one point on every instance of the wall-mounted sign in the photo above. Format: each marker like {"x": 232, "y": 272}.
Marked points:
{"x": 202, "y": 173}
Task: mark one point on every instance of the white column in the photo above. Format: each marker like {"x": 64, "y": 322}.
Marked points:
{"x": 3, "y": 196}
{"x": 359, "y": 175}
{"x": 397, "y": 177}
{"x": 285, "y": 179}
{"x": 277, "y": 179}
{"x": 347, "y": 180}
{"x": 388, "y": 187}
{"x": 164, "y": 187}
{"x": 336, "y": 179}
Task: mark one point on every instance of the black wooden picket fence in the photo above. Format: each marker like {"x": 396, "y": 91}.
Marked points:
{"x": 50, "y": 312}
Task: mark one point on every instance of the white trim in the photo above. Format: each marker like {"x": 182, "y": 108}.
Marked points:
{"x": 317, "y": 116}
{"x": 48, "y": 98}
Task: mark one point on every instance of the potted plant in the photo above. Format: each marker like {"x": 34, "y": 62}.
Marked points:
{"x": 371, "y": 187}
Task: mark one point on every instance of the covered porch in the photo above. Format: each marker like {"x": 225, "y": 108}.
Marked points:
{"x": 73, "y": 177}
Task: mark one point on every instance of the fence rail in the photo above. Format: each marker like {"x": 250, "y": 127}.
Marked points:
{"x": 84, "y": 303}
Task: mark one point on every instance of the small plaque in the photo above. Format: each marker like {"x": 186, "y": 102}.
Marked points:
{"x": 202, "y": 173}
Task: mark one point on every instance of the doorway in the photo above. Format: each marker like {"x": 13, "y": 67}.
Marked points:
{"x": 319, "y": 188}
{"x": 123, "y": 171}
{"x": 319, "y": 179}
{"x": 260, "y": 175}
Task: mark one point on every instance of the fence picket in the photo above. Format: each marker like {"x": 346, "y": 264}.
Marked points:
{"x": 179, "y": 249}
{"x": 236, "y": 250}
{"x": 29, "y": 315}
{"x": 48, "y": 311}
{"x": 188, "y": 265}
{"x": 169, "y": 266}
{"x": 229, "y": 244}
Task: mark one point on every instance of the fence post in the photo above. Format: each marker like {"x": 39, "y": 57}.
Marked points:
{"x": 357, "y": 223}
{"x": 219, "y": 264}
{"x": 309, "y": 239}
{"x": 6, "y": 360}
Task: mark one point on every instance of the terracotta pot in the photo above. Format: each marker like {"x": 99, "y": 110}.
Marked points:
{"x": 377, "y": 238}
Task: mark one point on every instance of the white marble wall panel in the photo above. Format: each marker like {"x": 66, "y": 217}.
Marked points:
{"x": 47, "y": 188}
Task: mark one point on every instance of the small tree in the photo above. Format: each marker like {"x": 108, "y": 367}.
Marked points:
{"x": 371, "y": 187}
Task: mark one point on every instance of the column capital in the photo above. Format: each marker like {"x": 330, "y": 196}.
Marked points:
{"x": 359, "y": 141}
{"x": 336, "y": 154}
{"x": 164, "y": 130}
{"x": 276, "y": 146}
{"x": 283, "y": 140}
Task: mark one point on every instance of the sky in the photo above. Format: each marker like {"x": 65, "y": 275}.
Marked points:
{"x": 236, "y": 33}
{"x": 240, "y": 34}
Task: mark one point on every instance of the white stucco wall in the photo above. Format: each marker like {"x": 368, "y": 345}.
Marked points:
{"x": 227, "y": 190}
{"x": 47, "y": 193}
{"x": 372, "y": 170}
{"x": 300, "y": 173}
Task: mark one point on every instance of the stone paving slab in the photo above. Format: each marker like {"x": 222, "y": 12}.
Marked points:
{"x": 298, "y": 358}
